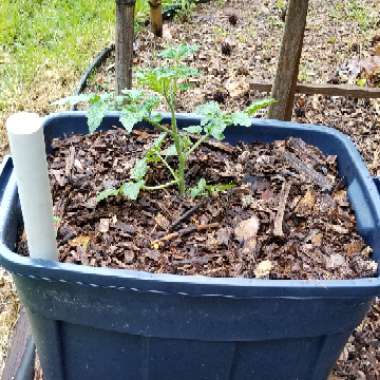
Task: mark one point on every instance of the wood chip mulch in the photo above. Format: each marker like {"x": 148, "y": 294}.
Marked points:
{"x": 287, "y": 216}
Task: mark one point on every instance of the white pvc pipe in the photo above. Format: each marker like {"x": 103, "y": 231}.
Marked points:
{"x": 27, "y": 144}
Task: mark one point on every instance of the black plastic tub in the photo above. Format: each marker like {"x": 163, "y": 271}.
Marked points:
{"x": 94, "y": 323}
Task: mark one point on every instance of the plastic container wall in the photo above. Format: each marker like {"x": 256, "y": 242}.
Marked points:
{"x": 101, "y": 323}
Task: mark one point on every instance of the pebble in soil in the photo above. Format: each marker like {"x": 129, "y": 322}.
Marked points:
{"x": 287, "y": 217}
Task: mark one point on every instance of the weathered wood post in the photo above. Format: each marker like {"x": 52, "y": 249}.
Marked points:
{"x": 288, "y": 64}
{"x": 156, "y": 17}
{"x": 124, "y": 43}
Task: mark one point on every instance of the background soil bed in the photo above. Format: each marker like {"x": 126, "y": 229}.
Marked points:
{"x": 213, "y": 239}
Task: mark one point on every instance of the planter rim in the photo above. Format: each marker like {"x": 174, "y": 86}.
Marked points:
{"x": 198, "y": 286}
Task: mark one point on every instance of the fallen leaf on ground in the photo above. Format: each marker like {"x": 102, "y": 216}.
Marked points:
{"x": 162, "y": 221}
{"x": 223, "y": 236}
{"x": 80, "y": 241}
{"x": 353, "y": 247}
{"x": 307, "y": 202}
{"x": 246, "y": 232}
{"x": 377, "y": 49}
{"x": 333, "y": 377}
{"x": 371, "y": 65}
{"x": 340, "y": 197}
{"x": 129, "y": 256}
{"x": 335, "y": 261}
{"x": 166, "y": 34}
{"x": 263, "y": 269}
{"x": 237, "y": 87}
{"x": 315, "y": 238}
{"x": 339, "y": 229}
{"x": 104, "y": 225}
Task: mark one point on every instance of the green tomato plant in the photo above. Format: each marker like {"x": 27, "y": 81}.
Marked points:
{"x": 165, "y": 82}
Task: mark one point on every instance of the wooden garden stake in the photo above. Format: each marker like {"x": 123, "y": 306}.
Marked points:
{"x": 288, "y": 65}
{"x": 156, "y": 17}
{"x": 124, "y": 43}
{"x": 325, "y": 89}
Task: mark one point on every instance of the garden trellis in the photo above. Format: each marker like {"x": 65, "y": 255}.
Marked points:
{"x": 285, "y": 85}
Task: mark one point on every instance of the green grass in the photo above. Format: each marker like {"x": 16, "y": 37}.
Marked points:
{"x": 356, "y": 11}
{"x": 46, "y": 44}
{"x": 280, "y": 4}
{"x": 41, "y": 39}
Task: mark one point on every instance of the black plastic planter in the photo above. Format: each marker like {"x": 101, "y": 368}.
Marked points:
{"x": 93, "y": 323}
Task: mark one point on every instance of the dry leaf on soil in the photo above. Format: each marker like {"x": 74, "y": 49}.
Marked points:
{"x": 80, "y": 241}
{"x": 263, "y": 269}
{"x": 334, "y": 261}
{"x": 162, "y": 221}
{"x": 246, "y": 232}
{"x": 237, "y": 87}
{"x": 104, "y": 225}
{"x": 307, "y": 202}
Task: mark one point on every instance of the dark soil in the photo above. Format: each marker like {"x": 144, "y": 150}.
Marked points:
{"x": 286, "y": 218}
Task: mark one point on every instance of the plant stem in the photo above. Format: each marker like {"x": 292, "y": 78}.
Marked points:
{"x": 178, "y": 146}
{"x": 167, "y": 165}
{"x": 159, "y": 187}
{"x": 196, "y": 144}
{"x": 158, "y": 126}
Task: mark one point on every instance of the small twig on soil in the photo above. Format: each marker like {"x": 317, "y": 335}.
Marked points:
{"x": 278, "y": 221}
{"x": 186, "y": 215}
{"x": 142, "y": 134}
{"x": 183, "y": 232}
{"x": 308, "y": 171}
{"x": 70, "y": 161}
{"x": 215, "y": 144}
